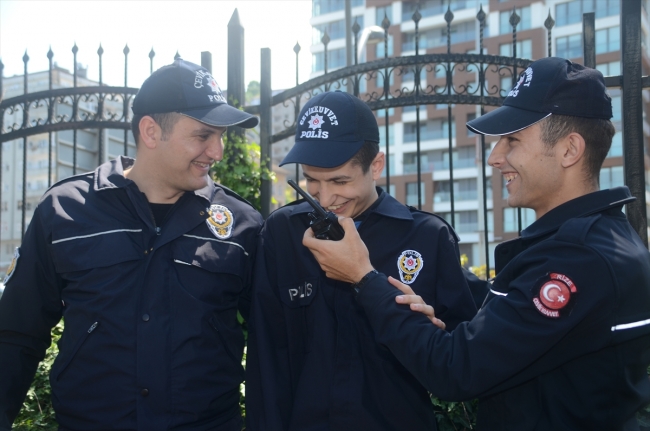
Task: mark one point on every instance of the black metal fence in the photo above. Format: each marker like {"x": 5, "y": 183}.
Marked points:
{"x": 101, "y": 107}
{"x": 485, "y": 91}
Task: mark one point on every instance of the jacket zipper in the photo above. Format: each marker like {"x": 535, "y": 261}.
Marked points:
{"x": 76, "y": 349}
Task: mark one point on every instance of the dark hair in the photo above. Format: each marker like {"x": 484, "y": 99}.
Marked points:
{"x": 365, "y": 155}
{"x": 166, "y": 121}
{"x": 597, "y": 133}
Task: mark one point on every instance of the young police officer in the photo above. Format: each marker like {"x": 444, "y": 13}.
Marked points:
{"x": 313, "y": 362}
{"x": 146, "y": 260}
{"x": 563, "y": 340}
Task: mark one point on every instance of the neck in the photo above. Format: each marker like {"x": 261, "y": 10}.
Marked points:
{"x": 149, "y": 184}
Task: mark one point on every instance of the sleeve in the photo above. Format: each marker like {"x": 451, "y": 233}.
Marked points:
{"x": 479, "y": 288}
{"x": 268, "y": 379}
{"x": 29, "y": 308}
{"x": 469, "y": 361}
{"x": 453, "y": 302}
{"x": 244, "y": 303}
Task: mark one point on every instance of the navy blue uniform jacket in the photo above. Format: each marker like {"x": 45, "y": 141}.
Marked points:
{"x": 313, "y": 362}
{"x": 582, "y": 368}
{"x": 151, "y": 339}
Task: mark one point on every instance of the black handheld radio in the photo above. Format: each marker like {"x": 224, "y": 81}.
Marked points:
{"x": 325, "y": 224}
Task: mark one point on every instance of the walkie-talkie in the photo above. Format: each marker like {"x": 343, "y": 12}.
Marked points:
{"x": 325, "y": 224}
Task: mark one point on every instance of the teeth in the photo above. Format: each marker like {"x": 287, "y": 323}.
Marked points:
{"x": 334, "y": 207}
{"x": 203, "y": 165}
{"x": 510, "y": 177}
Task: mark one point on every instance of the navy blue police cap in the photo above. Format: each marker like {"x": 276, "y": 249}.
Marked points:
{"x": 331, "y": 128}
{"x": 189, "y": 89}
{"x": 548, "y": 86}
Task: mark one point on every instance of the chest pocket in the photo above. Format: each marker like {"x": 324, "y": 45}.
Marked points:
{"x": 210, "y": 270}
{"x": 299, "y": 293}
{"x": 96, "y": 250}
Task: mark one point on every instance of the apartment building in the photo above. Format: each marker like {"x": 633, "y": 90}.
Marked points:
{"x": 436, "y": 186}
{"x": 39, "y": 176}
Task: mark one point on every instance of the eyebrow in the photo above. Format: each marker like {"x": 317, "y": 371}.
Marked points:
{"x": 339, "y": 178}
{"x": 208, "y": 130}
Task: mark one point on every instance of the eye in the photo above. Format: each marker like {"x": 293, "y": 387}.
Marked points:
{"x": 340, "y": 183}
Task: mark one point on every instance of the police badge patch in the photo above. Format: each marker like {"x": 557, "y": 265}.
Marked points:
{"x": 221, "y": 221}
{"x": 410, "y": 264}
{"x": 12, "y": 266}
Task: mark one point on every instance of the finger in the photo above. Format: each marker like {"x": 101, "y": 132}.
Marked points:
{"x": 308, "y": 237}
{"x": 401, "y": 286}
{"x": 409, "y": 299}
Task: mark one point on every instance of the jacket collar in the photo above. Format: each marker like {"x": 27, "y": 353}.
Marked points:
{"x": 388, "y": 207}
{"x": 110, "y": 175}
{"x": 579, "y": 207}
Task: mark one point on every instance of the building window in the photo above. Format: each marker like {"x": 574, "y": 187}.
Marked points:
{"x": 379, "y": 48}
{"x": 335, "y": 29}
{"x": 335, "y": 59}
{"x": 608, "y": 40}
{"x": 571, "y": 12}
{"x": 433, "y": 7}
{"x": 569, "y": 46}
{"x": 391, "y": 191}
{"x": 464, "y": 221}
{"x": 524, "y": 49}
{"x": 510, "y": 219}
{"x": 524, "y": 23}
{"x": 616, "y": 150}
{"x": 464, "y": 190}
{"x": 320, "y": 7}
{"x": 381, "y": 113}
{"x": 462, "y": 32}
{"x": 616, "y": 109}
{"x": 412, "y": 194}
{"x": 382, "y": 134}
{"x": 383, "y": 11}
{"x": 429, "y": 130}
{"x": 613, "y": 68}
{"x": 611, "y": 177}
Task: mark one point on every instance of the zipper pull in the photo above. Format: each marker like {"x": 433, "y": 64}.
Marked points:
{"x": 158, "y": 229}
{"x": 92, "y": 327}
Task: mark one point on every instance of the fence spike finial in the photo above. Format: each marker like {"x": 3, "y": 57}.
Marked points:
{"x": 550, "y": 22}
{"x": 177, "y": 56}
{"x": 514, "y": 18}
{"x": 385, "y": 23}
{"x": 126, "y": 49}
{"x": 480, "y": 15}
{"x": 100, "y": 51}
{"x": 50, "y": 54}
{"x": 449, "y": 15}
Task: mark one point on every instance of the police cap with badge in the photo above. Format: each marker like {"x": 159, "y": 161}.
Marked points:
{"x": 190, "y": 90}
{"x": 331, "y": 128}
{"x": 548, "y": 86}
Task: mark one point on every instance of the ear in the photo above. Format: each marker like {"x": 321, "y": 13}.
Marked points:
{"x": 377, "y": 165}
{"x": 573, "y": 149}
{"x": 149, "y": 132}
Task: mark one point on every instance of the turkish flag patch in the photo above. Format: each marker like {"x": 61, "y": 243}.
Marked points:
{"x": 555, "y": 295}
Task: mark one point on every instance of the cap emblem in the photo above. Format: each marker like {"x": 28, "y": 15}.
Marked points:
{"x": 554, "y": 295}
{"x": 320, "y": 110}
{"x": 524, "y": 79}
{"x": 410, "y": 264}
{"x": 316, "y": 121}
{"x": 221, "y": 221}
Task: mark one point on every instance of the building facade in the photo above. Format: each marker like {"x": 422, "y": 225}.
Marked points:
{"x": 503, "y": 221}
{"x": 92, "y": 148}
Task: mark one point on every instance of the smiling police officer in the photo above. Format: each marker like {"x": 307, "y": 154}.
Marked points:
{"x": 146, "y": 260}
{"x": 563, "y": 339}
{"x": 313, "y": 362}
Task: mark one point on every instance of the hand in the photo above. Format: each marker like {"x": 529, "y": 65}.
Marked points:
{"x": 416, "y": 302}
{"x": 344, "y": 260}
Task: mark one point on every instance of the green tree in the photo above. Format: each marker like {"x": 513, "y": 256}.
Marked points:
{"x": 252, "y": 91}
{"x": 239, "y": 170}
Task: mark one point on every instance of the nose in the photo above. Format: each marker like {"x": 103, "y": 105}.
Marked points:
{"x": 320, "y": 192}
{"x": 497, "y": 154}
{"x": 214, "y": 149}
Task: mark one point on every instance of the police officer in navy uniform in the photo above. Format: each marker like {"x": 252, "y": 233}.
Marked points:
{"x": 312, "y": 361}
{"x": 148, "y": 261}
{"x": 563, "y": 339}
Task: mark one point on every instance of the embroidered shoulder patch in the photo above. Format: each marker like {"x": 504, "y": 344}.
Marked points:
{"x": 555, "y": 295}
{"x": 221, "y": 221}
{"x": 410, "y": 264}
{"x": 12, "y": 266}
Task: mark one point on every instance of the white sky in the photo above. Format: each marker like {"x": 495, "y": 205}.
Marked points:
{"x": 188, "y": 27}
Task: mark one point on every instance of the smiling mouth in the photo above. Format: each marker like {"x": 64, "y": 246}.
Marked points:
{"x": 510, "y": 177}
{"x": 335, "y": 208}
{"x": 202, "y": 165}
